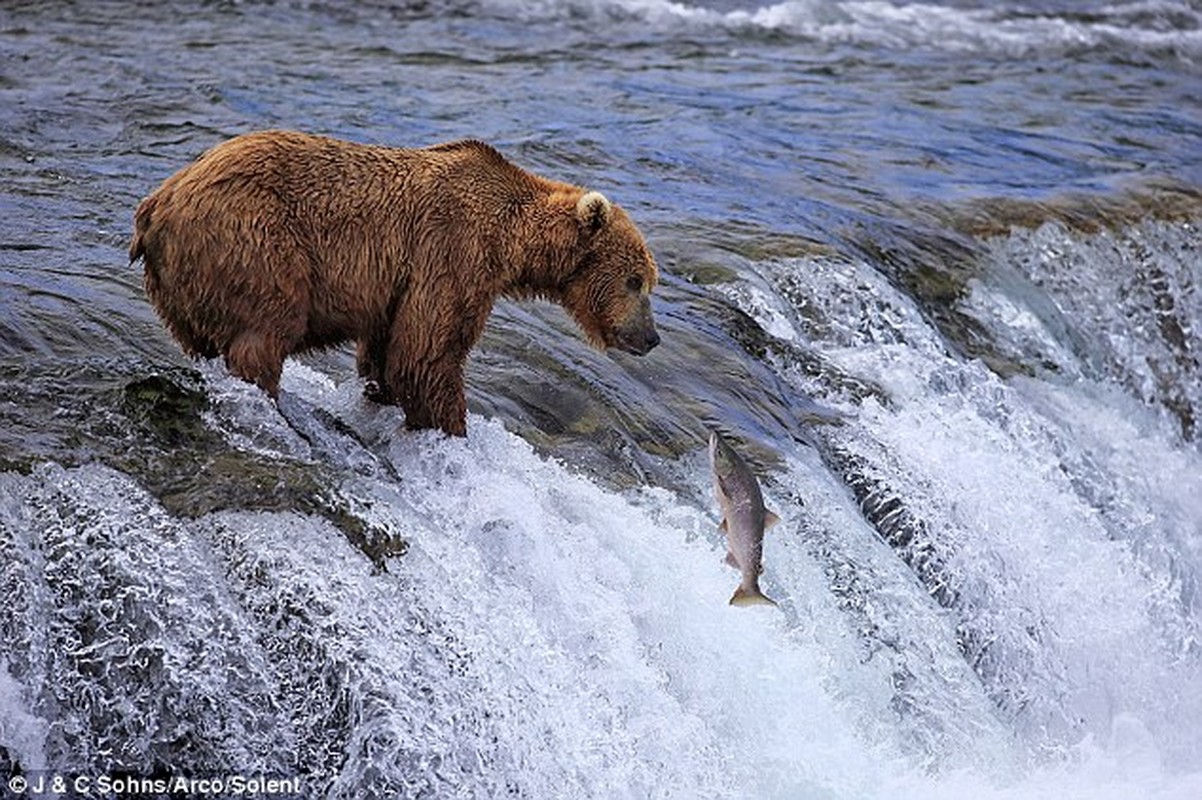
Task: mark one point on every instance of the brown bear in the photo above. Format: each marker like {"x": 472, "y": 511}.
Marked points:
{"x": 278, "y": 242}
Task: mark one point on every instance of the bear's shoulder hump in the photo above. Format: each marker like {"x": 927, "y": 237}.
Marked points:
{"x": 483, "y": 149}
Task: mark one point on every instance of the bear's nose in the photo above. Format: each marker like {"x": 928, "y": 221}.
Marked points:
{"x": 651, "y": 340}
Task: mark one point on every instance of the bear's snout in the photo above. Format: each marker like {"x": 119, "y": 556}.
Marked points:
{"x": 638, "y": 336}
{"x": 639, "y": 345}
{"x": 650, "y": 340}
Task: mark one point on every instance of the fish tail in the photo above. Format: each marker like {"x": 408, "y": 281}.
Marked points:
{"x": 750, "y": 597}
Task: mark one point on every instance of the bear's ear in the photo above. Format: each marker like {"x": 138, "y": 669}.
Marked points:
{"x": 593, "y": 211}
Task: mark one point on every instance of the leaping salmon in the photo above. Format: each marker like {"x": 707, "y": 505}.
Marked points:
{"x": 744, "y": 519}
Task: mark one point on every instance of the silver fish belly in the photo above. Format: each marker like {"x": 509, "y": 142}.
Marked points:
{"x": 744, "y": 519}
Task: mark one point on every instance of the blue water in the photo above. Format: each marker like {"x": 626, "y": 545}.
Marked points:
{"x": 933, "y": 267}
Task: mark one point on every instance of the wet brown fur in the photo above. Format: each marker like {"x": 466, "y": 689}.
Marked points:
{"x": 277, "y": 242}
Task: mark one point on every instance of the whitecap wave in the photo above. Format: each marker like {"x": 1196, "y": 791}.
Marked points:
{"x": 1155, "y": 27}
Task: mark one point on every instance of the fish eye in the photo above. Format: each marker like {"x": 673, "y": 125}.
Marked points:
{"x": 635, "y": 283}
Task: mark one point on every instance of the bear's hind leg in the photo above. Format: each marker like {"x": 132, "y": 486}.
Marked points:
{"x": 257, "y": 358}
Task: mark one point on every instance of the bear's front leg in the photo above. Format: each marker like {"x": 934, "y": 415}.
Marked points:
{"x": 428, "y": 344}
{"x": 432, "y": 396}
{"x": 372, "y": 361}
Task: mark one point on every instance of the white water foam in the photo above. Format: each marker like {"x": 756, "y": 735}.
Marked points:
{"x": 1064, "y": 514}
{"x": 546, "y": 637}
{"x": 1158, "y": 26}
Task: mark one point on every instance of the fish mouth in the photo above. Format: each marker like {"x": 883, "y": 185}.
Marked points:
{"x": 720, "y": 453}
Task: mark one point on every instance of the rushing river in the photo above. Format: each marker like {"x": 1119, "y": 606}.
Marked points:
{"x": 934, "y": 268}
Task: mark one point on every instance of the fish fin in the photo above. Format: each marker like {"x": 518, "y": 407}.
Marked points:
{"x": 770, "y": 519}
{"x": 731, "y": 560}
{"x": 744, "y": 597}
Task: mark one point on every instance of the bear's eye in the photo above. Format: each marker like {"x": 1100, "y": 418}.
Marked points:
{"x": 635, "y": 283}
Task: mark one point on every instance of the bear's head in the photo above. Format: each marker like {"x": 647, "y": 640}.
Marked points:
{"x": 609, "y": 292}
